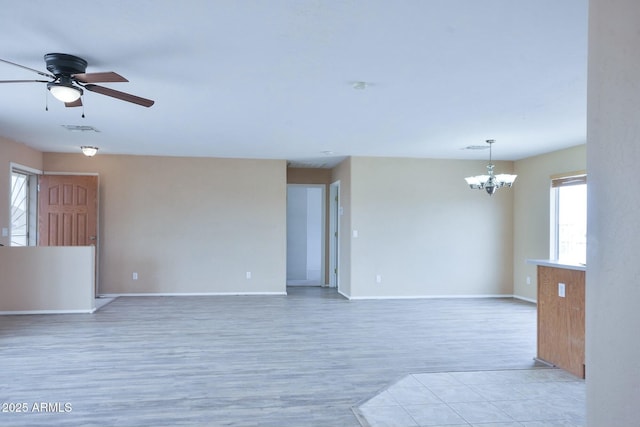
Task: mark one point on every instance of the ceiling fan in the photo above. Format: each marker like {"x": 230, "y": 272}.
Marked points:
{"x": 68, "y": 78}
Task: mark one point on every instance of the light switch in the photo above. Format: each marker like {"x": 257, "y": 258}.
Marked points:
{"x": 5, "y": 232}
{"x": 561, "y": 287}
{"x": 355, "y": 233}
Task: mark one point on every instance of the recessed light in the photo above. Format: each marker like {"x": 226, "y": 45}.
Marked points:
{"x": 360, "y": 85}
{"x": 327, "y": 152}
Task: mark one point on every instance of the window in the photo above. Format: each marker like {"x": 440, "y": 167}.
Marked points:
{"x": 23, "y": 208}
{"x": 569, "y": 218}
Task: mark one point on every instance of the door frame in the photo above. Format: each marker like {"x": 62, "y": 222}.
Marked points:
{"x": 334, "y": 235}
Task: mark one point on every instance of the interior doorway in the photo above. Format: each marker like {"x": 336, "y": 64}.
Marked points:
{"x": 305, "y": 235}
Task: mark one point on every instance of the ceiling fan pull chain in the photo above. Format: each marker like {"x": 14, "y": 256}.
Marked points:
{"x": 46, "y": 100}
{"x": 83, "y": 110}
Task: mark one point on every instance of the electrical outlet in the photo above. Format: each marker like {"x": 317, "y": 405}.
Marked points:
{"x": 134, "y": 276}
{"x": 248, "y": 275}
{"x": 561, "y": 290}
{"x": 528, "y": 280}
{"x": 378, "y": 278}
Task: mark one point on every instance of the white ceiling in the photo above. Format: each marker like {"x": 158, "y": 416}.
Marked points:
{"x": 274, "y": 78}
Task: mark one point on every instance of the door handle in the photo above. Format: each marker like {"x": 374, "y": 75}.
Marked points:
{"x": 92, "y": 237}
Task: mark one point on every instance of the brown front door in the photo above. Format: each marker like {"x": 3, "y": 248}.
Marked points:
{"x": 67, "y": 210}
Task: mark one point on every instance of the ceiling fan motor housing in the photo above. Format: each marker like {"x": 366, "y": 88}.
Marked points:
{"x": 63, "y": 64}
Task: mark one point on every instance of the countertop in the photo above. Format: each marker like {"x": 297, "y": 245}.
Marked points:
{"x": 558, "y": 264}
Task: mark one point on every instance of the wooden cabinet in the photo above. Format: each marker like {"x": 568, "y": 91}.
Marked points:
{"x": 561, "y": 319}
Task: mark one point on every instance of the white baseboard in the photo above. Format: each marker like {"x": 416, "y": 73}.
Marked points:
{"x": 525, "y": 299}
{"x": 344, "y": 295}
{"x": 32, "y": 312}
{"x": 373, "y": 297}
{"x": 188, "y": 294}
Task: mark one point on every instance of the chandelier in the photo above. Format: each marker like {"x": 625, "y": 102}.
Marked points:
{"x": 490, "y": 182}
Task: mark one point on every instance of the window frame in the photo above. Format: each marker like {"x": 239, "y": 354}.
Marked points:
{"x": 559, "y": 181}
{"x": 32, "y": 202}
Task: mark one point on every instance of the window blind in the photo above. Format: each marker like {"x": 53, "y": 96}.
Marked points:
{"x": 565, "y": 180}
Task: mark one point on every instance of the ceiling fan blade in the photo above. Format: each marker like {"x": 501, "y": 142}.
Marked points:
{"x": 24, "y": 81}
{"x": 76, "y": 103}
{"x": 42, "y": 73}
{"x": 119, "y": 95}
{"x": 105, "y": 77}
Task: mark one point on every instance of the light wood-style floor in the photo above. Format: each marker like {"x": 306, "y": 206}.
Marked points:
{"x": 299, "y": 360}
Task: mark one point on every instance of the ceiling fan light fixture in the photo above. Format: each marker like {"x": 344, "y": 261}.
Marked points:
{"x": 67, "y": 79}
{"x": 65, "y": 92}
{"x": 88, "y": 150}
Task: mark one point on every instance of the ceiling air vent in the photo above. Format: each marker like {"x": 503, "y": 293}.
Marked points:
{"x": 78, "y": 128}
{"x": 475, "y": 147}
{"x": 308, "y": 164}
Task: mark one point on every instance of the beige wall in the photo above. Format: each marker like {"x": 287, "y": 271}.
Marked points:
{"x": 187, "y": 225}
{"x": 47, "y": 279}
{"x": 151, "y": 206}
{"x": 531, "y": 193}
{"x": 11, "y": 151}
{"x": 308, "y": 176}
{"x": 425, "y": 232}
{"x": 613, "y": 270}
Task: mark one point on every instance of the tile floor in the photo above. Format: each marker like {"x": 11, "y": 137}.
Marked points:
{"x": 508, "y": 398}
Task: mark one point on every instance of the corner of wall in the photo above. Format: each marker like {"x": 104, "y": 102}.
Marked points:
{"x": 531, "y": 230}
